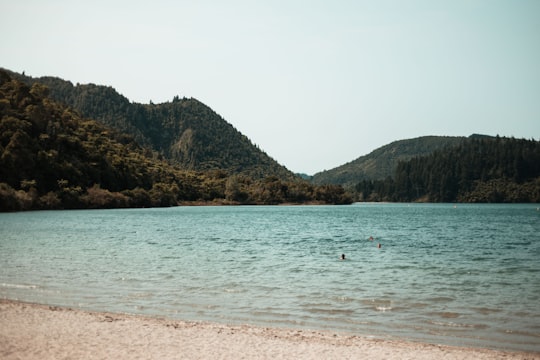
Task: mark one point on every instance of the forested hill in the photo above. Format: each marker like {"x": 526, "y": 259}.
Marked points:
{"x": 53, "y": 158}
{"x": 183, "y": 131}
{"x": 480, "y": 169}
{"x": 382, "y": 162}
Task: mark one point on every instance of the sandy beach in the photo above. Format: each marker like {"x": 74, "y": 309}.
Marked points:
{"x": 30, "y": 331}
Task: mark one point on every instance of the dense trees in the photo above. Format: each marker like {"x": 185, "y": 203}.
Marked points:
{"x": 481, "y": 169}
{"x": 51, "y": 158}
{"x": 184, "y": 131}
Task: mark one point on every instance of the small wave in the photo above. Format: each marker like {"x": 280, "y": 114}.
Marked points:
{"x": 446, "y": 314}
{"x": 382, "y": 305}
{"x": 481, "y": 258}
{"x": 417, "y": 305}
{"x": 522, "y": 333}
{"x": 343, "y": 299}
{"x": 270, "y": 314}
{"x": 519, "y": 243}
{"x": 375, "y": 301}
{"x": 141, "y": 295}
{"x": 456, "y": 325}
{"x": 485, "y": 311}
{"x": 234, "y": 290}
{"x": 18, "y": 286}
{"x": 316, "y": 305}
{"x": 440, "y": 299}
{"x": 328, "y": 311}
{"x": 130, "y": 279}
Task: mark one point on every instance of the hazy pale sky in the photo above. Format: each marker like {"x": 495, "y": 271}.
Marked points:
{"x": 314, "y": 83}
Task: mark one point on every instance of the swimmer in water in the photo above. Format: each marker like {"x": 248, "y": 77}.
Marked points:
{"x": 342, "y": 257}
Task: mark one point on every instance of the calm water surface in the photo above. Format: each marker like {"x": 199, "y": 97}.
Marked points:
{"x": 460, "y": 275}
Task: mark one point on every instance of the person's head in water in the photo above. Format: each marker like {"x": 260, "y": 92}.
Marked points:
{"x": 342, "y": 256}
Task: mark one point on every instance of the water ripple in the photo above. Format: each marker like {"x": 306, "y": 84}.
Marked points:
{"x": 458, "y": 276}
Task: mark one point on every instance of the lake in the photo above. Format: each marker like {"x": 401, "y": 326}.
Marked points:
{"x": 462, "y": 274}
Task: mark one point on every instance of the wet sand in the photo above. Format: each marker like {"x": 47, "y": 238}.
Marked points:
{"x": 30, "y": 331}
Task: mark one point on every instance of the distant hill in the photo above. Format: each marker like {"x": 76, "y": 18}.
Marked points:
{"x": 184, "y": 131}
{"x": 480, "y": 169}
{"x": 382, "y": 162}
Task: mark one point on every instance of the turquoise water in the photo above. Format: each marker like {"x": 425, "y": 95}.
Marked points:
{"x": 460, "y": 275}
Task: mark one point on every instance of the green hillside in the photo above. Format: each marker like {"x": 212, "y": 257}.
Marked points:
{"x": 53, "y": 158}
{"x": 382, "y": 162}
{"x": 184, "y": 131}
{"x": 480, "y": 169}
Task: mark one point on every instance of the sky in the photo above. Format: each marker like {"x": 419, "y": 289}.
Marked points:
{"x": 315, "y": 84}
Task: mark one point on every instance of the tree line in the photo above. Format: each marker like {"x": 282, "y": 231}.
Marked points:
{"x": 480, "y": 169}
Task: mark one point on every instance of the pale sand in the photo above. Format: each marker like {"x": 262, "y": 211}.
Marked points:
{"x": 29, "y": 331}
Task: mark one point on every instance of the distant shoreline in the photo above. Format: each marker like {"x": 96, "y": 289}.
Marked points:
{"x": 231, "y": 203}
{"x": 34, "y": 331}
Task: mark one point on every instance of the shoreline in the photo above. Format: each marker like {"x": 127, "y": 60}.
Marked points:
{"x": 35, "y": 331}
